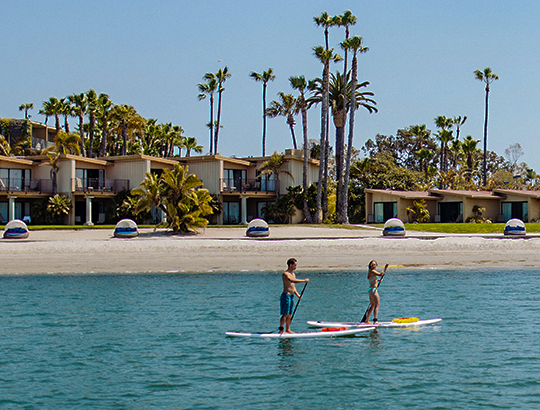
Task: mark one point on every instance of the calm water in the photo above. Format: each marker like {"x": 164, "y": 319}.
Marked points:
{"x": 157, "y": 342}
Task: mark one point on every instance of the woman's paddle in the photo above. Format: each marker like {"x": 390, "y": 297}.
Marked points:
{"x": 364, "y": 318}
{"x": 299, "y": 299}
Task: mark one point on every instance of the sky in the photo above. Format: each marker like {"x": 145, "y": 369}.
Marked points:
{"x": 152, "y": 54}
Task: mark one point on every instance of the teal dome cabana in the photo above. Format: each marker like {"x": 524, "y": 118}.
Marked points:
{"x": 126, "y": 228}
{"x": 257, "y": 228}
{"x": 16, "y": 229}
{"x": 515, "y": 227}
{"x": 394, "y": 227}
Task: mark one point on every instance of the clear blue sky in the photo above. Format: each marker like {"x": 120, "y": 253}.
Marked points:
{"x": 152, "y": 54}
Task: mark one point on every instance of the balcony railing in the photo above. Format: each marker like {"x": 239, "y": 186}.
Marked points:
{"x": 23, "y": 185}
{"x": 246, "y": 185}
{"x": 100, "y": 185}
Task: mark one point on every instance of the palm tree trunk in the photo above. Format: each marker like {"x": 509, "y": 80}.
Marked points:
{"x": 124, "y": 138}
{"x": 264, "y": 121}
{"x": 485, "y": 138}
{"x": 216, "y": 132}
{"x": 322, "y": 143}
{"x": 307, "y": 213}
{"x": 343, "y": 216}
{"x": 104, "y": 134}
{"x": 211, "y": 121}
{"x": 290, "y": 122}
{"x": 91, "y": 134}
{"x": 81, "y": 133}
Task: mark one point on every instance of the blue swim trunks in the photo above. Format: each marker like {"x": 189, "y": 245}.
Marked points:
{"x": 286, "y": 303}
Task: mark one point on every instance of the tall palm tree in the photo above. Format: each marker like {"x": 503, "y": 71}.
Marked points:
{"x": 273, "y": 167}
{"x": 425, "y": 155}
{"x": 458, "y": 122}
{"x": 486, "y": 76}
{"x": 209, "y": 88}
{"x": 25, "y": 107}
{"x": 92, "y": 100}
{"x": 325, "y": 57}
{"x": 126, "y": 121}
{"x": 286, "y": 107}
{"x": 264, "y": 77}
{"x": 299, "y": 83}
{"x": 346, "y": 20}
{"x": 66, "y": 110}
{"x": 104, "y": 106}
{"x": 80, "y": 105}
{"x": 353, "y": 44}
{"x": 221, "y": 77}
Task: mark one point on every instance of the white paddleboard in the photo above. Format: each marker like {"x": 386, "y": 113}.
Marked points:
{"x": 335, "y": 333}
{"x": 316, "y": 323}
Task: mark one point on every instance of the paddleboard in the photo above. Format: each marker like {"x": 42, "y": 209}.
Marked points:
{"x": 316, "y": 323}
{"x": 335, "y": 333}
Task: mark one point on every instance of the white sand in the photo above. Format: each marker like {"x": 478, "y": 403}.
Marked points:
{"x": 228, "y": 250}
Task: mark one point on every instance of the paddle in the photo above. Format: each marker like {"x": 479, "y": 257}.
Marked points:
{"x": 299, "y": 299}
{"x": 364, "y": 318}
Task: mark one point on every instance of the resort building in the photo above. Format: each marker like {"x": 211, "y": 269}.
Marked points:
{"x": 499, "y": 205}
{"x": 92, "y": 184}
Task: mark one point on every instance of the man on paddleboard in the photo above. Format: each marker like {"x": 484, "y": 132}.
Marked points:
{"x": 374, "y": 278}
{"x": 286, "y": 300}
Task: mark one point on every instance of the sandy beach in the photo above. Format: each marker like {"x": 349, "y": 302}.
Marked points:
{"x": 229, "y": 250}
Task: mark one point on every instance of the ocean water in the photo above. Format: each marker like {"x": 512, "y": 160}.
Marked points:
{"x": 158, "y": 342}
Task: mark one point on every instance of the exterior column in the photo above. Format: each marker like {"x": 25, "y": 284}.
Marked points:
{"x": 243, "y": 209}
{"x": 11, "y": 211}
{"x": 89, "y": 210}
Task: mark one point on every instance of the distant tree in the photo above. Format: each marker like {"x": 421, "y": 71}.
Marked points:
{"x": 125, "y": 122}
{"x": 25, "y": 107}
{"x": 287, "y": 107}
{"x": 80, "y": 106}
{"x": 513, "y": 153}
{"x": 487, "y": 77}
{"x": 191, "y": 145}
{"x": 273, "y": 167}
{"x": 263, "y": 77}
{"x": 208, "y": 89}
{"x": 52, "y": 107}
{"x": 221, "y": 77}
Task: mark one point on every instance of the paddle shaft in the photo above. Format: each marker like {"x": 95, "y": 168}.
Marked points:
{"x": 364, "y": 318}
{"x": 299, "y": 299}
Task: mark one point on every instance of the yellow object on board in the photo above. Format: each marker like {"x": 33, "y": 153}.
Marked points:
{"x": 405, "y": 320}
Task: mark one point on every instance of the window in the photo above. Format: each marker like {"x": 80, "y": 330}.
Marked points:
{"x": 231, "y": 212}
{"x": 234, "y": 178}
{"x": 384, "y": 211}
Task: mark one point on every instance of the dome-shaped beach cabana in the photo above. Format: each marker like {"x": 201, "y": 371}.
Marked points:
{"x": 394, "y": 227}
{"x": 126, "y": 228}
{"x": 515, "y": 226}
{"x": 257, "y": 228}
{"x": 16, "y": 229}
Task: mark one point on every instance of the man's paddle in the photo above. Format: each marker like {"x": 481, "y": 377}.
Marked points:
{"x": 296, "y": 307}
{"x": 364, "y": 318}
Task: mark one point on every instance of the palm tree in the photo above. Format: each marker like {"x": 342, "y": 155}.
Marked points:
{"x": 458, "y": 122}
{"x": 287, "y": 108}
{"x": 264, "y": 77}
{"x": 191, "y": 144}
{"x": 209, "y": 88}
{"x": 486, "y": 76}
{"x": 345, "y": 20}
{"x": 221, "y": 77}
{"x": 469, "y": 148}
{"x": 52, "y": 107}
{"x": 92, "y": 100}
{"x": 126, "y": 121}
{"x": 25, "y": 107}
{"x": 425, "y": 155}
{"x": 273, "y": 167}
{"x": 325, "y": 57}
{"x": 104, "y": 106}
{"x": 353, "y": 44}
{"x": 66, "y": 110}
{"x": 299, "y": 83}
{"x": 65, "y": 143}
{"x": 79, "y": 109}
{"x": 445, "y": 135}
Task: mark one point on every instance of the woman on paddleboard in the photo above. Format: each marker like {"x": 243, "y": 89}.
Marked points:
{"x": 286, "y": 300}
{"x": 374, "y": 279}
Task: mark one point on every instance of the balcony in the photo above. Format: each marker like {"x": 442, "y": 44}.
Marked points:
{"x": 100, "y": 185}
{"x": 246, "y": 185}
{"x": 22, "y": 185}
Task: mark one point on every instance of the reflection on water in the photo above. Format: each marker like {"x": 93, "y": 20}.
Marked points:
{"x": 285, "y": 353}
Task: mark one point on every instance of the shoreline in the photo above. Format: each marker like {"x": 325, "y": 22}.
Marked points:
{"x": 229, "y": 250}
